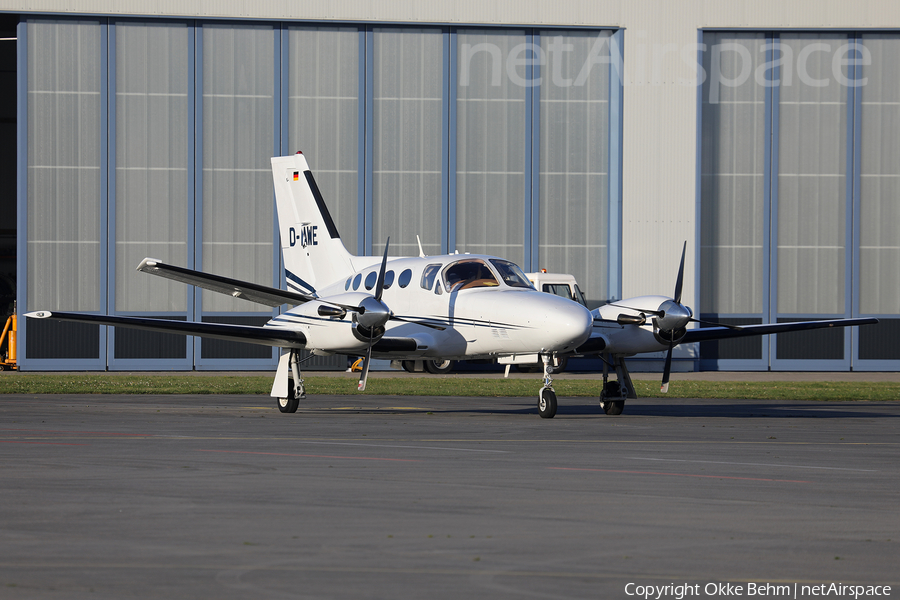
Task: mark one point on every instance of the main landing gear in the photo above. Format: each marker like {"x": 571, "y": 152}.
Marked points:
{"x": 297, "y": 392}
{"x": 614, "y": 393}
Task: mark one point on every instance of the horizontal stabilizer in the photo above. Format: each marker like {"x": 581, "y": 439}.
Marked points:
{"x": 232, "y": 287}
{"x": 264, "y": 336}
{"x": 717, "y": 333}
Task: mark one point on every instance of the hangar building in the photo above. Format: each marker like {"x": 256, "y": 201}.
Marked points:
{"x": 588, "y": 137}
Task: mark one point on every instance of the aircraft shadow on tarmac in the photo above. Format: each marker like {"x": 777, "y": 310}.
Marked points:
{"x": 729, "y": 409}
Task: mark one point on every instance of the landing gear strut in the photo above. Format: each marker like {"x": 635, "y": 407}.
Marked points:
{"x": 296, "y": 389}
{"x": 547, "y": 396}
{"x": 614, "y": 393}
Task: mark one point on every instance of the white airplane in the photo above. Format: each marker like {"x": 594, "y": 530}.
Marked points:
{"x": 456, "y": 306}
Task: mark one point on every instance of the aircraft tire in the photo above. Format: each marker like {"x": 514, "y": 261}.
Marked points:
{"x": 409, "y": 366}
{"x": 613, "y": 389}
{"x": 547, "y": 403}
{"x": 612, "y": 407}
{"x": 289, "y": 404}
{"x": 439, "y": 367}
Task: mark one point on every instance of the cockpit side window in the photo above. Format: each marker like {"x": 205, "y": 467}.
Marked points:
{"x": 467, "y": 274}
{"x": 428, "y": 276}
{"x": 511, "y": 274}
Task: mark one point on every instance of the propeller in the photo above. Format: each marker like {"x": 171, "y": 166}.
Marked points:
{"x": 371, "y": 314}
{"x": 675, "y": 316}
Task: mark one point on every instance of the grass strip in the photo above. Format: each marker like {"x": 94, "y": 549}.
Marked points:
{"x": 104, "y": 383}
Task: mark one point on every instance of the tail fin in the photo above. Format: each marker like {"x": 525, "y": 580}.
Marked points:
{"x": 314, "y": 255}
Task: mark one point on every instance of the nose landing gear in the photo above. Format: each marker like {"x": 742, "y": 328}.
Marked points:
{"x": 547, "y": 396}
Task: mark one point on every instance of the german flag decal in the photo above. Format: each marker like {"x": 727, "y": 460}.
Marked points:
{"x": 296, "y": 175}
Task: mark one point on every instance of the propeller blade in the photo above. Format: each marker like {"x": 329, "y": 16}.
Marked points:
{"x": 379, "y": 284}
{"x": 364, "y": 376}
{"x": 680, "y": 281}
{"x": 664, "y": 388}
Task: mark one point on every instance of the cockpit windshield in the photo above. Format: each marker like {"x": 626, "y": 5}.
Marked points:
{"x": 511, "y": 274}
{"x": 467, "y": 274}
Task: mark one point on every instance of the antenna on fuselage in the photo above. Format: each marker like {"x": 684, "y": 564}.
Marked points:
{"x": 421, "y": 252}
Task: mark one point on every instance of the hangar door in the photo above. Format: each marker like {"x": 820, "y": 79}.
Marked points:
{"x": 796, "y": 184}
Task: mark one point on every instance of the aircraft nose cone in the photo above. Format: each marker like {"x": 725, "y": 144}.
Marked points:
{"x": 569, "y": 325}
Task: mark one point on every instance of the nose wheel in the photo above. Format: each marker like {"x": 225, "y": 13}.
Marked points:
{"x": 547, "y": 397}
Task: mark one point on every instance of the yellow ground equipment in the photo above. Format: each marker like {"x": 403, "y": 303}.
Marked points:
{"x": 8, "y": 355}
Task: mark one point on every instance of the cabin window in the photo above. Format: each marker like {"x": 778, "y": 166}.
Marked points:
{"x": 371, "y": 278}
{"x": 405, "y": 278}
{"x": 356, "y": 281}
{"x": 467, "y": 274}
{"x": 428, "y": 276}
{"x": 388, "y": 279}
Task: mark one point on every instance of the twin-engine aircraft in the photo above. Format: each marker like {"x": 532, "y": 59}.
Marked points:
{"x": 457, "y": 306}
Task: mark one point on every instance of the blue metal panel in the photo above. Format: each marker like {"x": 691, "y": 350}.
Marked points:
{"x": 195, "y": 306}
{"x": 616, "y": 145}
{"x": 279, "y": 137}
{"x": 770, "y": 200}
{"x": 446, "y": 173}
{"x": 283, "y": 76}
{"x": 532, "y": 197}
{"x": 448, "y": 241}
{"x": 105, "y": 132}
{"x": 193, "y": 120}
{"x": 108, "y": 118}
{"x": 22, "y": 191}
{"x": 366, "y": 246}
{"x": 698, "y": 161}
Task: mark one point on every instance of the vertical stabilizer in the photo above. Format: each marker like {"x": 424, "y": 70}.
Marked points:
{"x": 314, "y": 255}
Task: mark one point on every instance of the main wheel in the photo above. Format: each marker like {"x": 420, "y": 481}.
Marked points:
{"x": 612, "y": 407}
{"x": 289, "y": 404}
{"x": 547, "y": 403}
{"x": 409, "y": 366}
{"x": 439, "y": 367}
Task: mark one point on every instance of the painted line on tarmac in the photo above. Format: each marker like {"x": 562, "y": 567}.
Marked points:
{"x": 716, "y": 462}
{"x": 41, "y": 443}
{"x": 678, "y": 474}
{"x": 409, "y": 447}
{"x": 312, "y": 455}
{"x": 66, "y": 432}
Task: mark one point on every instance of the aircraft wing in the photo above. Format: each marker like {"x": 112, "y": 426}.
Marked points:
{"x": 239, "y": 289}
{"x": 717, "y": 333}
{"x": 264, "y": 336}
